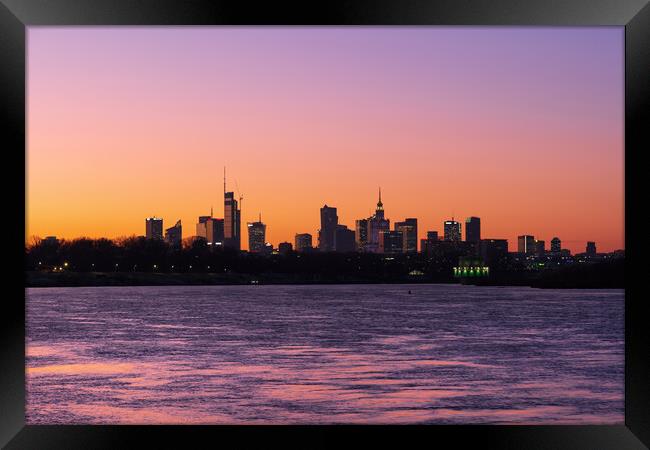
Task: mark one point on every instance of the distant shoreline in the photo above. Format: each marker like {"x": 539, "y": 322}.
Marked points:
{"x": 553, "y": 280}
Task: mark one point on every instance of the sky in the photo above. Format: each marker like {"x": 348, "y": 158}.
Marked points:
{"x": 520, "y": 126}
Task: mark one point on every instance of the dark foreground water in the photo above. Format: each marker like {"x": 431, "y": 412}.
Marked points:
{"x": 324, "y": 354}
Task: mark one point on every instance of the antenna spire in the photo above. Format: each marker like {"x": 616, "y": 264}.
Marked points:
{"x": 224, "y": 180}
{"x": 380, "y": 205}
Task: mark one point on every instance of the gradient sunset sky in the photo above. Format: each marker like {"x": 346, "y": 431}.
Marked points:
{"x": 523, "y": 127}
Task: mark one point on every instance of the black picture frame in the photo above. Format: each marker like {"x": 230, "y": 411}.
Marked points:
{"x": 16, "y": 15}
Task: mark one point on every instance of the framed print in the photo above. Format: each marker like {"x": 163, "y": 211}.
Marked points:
{"x": 365, "y": 218}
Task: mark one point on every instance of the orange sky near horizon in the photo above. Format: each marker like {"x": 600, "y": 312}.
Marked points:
{"x": 128, "y": 123}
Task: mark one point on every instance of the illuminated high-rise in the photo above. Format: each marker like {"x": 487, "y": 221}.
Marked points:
{"x": 452, "y": 231}
{"x": 256, "y": 236}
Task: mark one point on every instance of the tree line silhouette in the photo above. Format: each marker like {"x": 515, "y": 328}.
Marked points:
{"x": 139, "y": 254}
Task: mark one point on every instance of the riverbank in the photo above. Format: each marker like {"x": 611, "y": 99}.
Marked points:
{"x": 608, "y": 275}
{"x": 72, "y": 279}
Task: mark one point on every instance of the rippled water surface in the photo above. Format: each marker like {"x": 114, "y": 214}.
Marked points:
{"x": 324, "y": 354}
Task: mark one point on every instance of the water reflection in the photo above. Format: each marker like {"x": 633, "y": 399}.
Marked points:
{"x": 335, "y": 354}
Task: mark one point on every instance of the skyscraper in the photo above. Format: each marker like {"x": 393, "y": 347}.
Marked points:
{"x": 285, "y": 247}
{"x": 556, "y": 245}
{"x": 344, "y": 239}
{"x": 211, "y": 229}
{"x": 526, "y": 244}
{"x": 494, "y": 252}
{"x": 540, "y": 247}
{"x": 409, "y": 229}
{"x": 256, "y": 236}
{"x": 328, "y": 222}
{"x": 473, "y": 229}
{"x": 174, "y": 235}
{"x": 377, "y": 224}
{"x": 452, "y": 230}
{"x": 154, "y": 228}
{"x": 426, "y": 245}
{"x": 201, "y": 228}
{"x": 591, "y": 249}
{"x": 361, "y": 234}
{"x": 215, "y": 232}
{"x": 231, "y": 218}
{"x": 391, "y": 242}
{"x": 303, "y": 242}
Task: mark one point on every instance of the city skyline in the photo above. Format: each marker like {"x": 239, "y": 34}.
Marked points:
{"x": 482, "y": 125}
{"x": 211, "y": 229}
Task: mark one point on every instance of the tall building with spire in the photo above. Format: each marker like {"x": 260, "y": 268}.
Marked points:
{"x": 231, "y": 218}
{"x": 377, "y": 224}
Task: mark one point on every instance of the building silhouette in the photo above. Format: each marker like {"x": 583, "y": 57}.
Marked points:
{"x": 328, "y": 223}
{"x": 303, "y": 242}
{"x": 526, "y": 244}
{"x": 232, "y": 221}
{"x": 591, "y": 249}
{"x": 540, "y": 247}
{"x": 51, "y": 241}
{"x": 409, "y": 229}
{"x": 473, "y": 230}
{"x": 174, "y": 235}
{"x": 285, "y": 247}
{"x": 154, "y": 228}
{"x": 494, "y": 252}
{"x": 256, "y": 236}
{"x": 344, "y": 239}
{"x": 216, "y": 232}
{"x": 201, "y": 228}
{"x": 211, "y": 230}
{"x": 391, "y": 242}
{"x": 556, "y": 245}
{"x": 452, "y": 230}
{"x": 361, "y": 234}
{"x": 426, "y": 245}
{"x": 377, "y": 224}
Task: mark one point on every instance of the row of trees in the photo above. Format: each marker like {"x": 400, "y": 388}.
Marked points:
{"x": 138, "y": 254}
